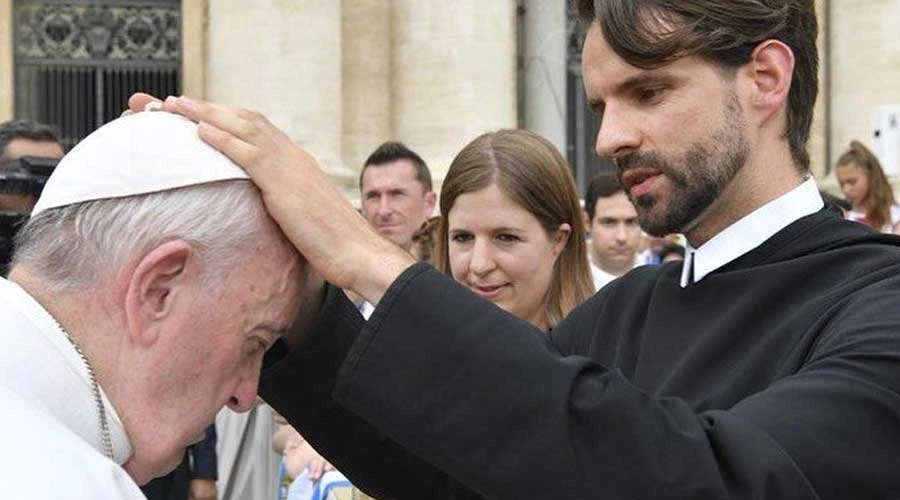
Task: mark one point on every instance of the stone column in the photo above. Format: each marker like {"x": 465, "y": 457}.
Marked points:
{"x": 283, "y": 59}
{"x": 194, "y": 17}
{"x": 6, "y": 61}
{"x": 454, "y": 74}
{"x": 545, "y": 70}
{"x": 366, "y": 78}
{"x": 865, "y": 57}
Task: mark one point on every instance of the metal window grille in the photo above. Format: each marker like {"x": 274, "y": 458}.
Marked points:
{"x": 582, "y": 125}
{"x": 76, "y": 62}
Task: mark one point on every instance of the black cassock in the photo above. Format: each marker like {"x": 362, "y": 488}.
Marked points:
{"x": 775, "y": 377}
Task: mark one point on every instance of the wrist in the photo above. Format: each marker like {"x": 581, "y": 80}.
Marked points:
{"x": 382, "y": 268}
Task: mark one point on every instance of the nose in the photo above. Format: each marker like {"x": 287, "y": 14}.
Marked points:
{"x": 244, "y": 396}
{"x": 384, "y": 205}
{"x": 481, "y": 260}
{"x": 621, "y": 232}
{"x": 616, "y": 137}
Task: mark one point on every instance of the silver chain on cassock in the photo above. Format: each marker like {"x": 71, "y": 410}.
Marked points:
{"x": 102, "y": 424}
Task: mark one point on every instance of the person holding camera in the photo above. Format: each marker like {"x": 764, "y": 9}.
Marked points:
{"x": 29, "y": 151}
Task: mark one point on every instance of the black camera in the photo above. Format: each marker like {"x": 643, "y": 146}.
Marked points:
{"x": 21, "y": 183}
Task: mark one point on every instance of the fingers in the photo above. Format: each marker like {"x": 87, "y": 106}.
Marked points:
{"x": 316, "y": 468}
{"x": 139, "y": 100}
{"x": 243, "y": 124}
{"x": 231, "y": 131}
{"x": 238, "y": 151}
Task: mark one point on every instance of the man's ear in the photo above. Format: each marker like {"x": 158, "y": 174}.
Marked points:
{"x": 770, "y": 70}
{"x": 430, "y": 202}
{"x": 586, "y": 219}
{"x": 156, "y": 282}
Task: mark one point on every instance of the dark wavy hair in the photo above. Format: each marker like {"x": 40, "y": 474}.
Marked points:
{"x": 650, "y": 33}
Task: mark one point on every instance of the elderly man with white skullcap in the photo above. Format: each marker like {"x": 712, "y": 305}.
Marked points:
{"x": 144, "y": 291}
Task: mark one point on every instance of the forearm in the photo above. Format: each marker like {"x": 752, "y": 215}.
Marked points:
{"x": 299, "y": 386}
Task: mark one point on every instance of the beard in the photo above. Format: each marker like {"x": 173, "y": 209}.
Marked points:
{"x": 697, "y": 181}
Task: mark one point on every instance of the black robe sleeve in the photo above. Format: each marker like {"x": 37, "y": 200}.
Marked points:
{"x": 299, "y": 384}
{"x": 487, "y": 399}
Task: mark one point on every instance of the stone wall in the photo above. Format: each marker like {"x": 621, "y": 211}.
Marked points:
{"x": 865, "y": 58}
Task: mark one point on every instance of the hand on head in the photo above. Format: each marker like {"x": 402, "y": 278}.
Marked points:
{"x": 316, "y": 217}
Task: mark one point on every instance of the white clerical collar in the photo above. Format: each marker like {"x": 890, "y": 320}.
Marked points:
{"x": 366, "y": 308}
{"x": 15, "y": 296}
{"x": 751, "y": 231}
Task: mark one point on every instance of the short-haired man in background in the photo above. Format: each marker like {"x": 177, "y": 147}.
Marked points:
{"x": 397, "y": 196}
{"x": 28, "y": 152}
{"x": 20, "y": 138}
{"x": 396, "y": 191}
{"x": 612, "y": 222}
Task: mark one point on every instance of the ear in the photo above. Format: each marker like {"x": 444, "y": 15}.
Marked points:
{"x": 430, "y": 202}
{"x": 586, "y": 219}
{"x": 153, "y": 287}
{"x": 562, "y": 237}
{"x": 770, "y": 69}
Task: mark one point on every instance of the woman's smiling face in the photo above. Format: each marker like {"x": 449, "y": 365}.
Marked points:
{"x": 500, "y": 251}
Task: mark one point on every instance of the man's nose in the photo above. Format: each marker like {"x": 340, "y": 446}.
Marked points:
{"x": 621, "y": 231}
{"x": 384, "y": 205}
{"x": 616, "y": 137}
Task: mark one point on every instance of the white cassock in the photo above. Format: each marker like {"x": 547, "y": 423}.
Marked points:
{"x": 51, "y": 444}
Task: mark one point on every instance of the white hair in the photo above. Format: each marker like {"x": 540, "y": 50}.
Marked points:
{"x": 80, "y": 245}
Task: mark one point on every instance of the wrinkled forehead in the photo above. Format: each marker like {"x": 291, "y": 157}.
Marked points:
{"x": 271, "y": 276}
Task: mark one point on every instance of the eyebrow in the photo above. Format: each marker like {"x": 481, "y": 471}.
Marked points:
{"x": 386, "y": 190}
{"x": 508, "y": 230}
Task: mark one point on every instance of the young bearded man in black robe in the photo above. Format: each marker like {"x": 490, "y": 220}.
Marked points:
{"x": 767, "y": 366}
